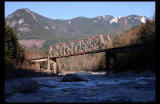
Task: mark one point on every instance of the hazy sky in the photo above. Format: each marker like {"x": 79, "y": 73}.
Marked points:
{"x": 68, "y": 10}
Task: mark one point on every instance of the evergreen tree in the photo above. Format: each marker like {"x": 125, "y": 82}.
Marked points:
{"x": 11, "y": 45}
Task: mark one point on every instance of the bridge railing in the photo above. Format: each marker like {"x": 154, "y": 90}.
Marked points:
{"x": 84, "y": 45}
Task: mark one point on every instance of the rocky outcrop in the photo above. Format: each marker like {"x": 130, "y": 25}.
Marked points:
{"x": 72, "y": 78}
{"x": 25, "y": 85}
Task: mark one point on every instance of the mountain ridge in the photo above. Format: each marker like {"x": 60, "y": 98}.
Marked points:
{"x": 30, "y": 25}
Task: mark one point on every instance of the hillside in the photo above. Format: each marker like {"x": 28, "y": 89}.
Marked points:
{"x": 142, "y": 34}
{"x": 30, "y": 25}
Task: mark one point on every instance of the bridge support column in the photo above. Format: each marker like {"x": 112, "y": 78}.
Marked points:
{"x": 115, "y": 62}
{"x": 49, "y": 63}
{"x": 52, "y": 63}
{"x": 55, "y": 67}
{"x": 108, "y": 56}
{"x": 37, "y": 66}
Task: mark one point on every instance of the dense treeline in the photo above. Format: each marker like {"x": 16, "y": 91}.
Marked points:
{"x": 16, "y": 64}
{"x": 138, "y": 61}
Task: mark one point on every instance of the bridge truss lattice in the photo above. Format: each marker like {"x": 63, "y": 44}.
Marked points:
{"x": 80, "y": 46}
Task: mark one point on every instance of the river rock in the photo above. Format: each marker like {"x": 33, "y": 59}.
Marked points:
{"x": 72, "y": 78}
{"x": 25, "y": 85}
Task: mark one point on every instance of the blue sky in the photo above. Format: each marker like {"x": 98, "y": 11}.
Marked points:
{"x": 68, "y": 10}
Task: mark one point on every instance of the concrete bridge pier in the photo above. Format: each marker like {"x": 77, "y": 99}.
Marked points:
{"x": 110, "y": 55}
{"x": 52, "y": 65}
{"x": 115, "y": 62}
{"x": 37, "y": 65}
{"x": 48, "y": 61}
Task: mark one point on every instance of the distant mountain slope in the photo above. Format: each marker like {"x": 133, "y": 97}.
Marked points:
{"x": 142, "y": 34}
{"x": 30, "y": 25}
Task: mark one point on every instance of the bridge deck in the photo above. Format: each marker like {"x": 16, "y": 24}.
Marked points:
{"x": 39, "y": 59}
{"x": 132, "y": 48}
{"x": 109, "y": 53}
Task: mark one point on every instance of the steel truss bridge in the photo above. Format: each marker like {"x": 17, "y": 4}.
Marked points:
{"x": 93, "y": 44}
{"x": 80, "y": 46}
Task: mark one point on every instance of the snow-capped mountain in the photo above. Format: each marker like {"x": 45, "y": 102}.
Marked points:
{"x": 30, "y": 25}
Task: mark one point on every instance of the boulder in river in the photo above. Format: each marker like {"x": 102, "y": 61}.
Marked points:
{"x": 72, "y": 78}
{"x": 25, "y": 85}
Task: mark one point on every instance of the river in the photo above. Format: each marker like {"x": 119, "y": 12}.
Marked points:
{"x": 99, "y": 88}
